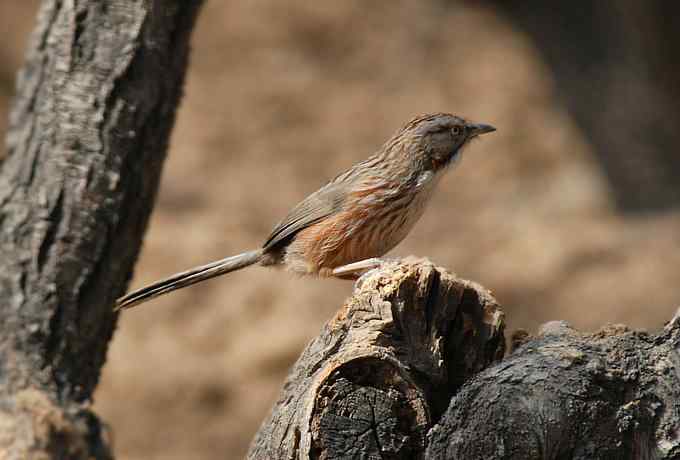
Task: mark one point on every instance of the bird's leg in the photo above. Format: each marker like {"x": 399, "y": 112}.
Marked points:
{"x": 355, "y": 269}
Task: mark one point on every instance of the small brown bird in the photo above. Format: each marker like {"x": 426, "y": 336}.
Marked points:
{"x": 341, "y": 229}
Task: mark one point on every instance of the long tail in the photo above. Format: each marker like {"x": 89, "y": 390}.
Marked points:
{"x": 187, "y": 278}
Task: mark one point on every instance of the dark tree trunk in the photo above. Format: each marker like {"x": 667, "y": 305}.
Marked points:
{"x": 88, "y": 133}
{"x": 383, "y": 370}
{"x": 616, "y": 65}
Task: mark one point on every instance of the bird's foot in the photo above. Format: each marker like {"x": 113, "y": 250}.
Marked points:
{"x": 354, "y": 270}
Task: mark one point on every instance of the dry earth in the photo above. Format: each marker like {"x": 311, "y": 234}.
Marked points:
{"x": 283, "y": 95}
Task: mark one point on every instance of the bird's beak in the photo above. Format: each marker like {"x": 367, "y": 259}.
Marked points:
{"x": 475, "y": 129}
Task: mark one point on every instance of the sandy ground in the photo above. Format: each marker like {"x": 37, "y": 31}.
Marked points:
{"x": 282, "y": 97}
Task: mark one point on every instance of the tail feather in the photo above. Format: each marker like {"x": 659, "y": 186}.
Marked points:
{"x": 187, "y": 278}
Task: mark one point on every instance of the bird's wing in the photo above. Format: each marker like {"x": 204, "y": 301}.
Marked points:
{"x": 324, "y": 202}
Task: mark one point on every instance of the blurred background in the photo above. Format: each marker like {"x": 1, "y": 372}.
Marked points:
{"x": 570, "y": 211}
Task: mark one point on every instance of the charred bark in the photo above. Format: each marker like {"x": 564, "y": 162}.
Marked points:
{"x": 88, "y": 133}
{"x": 612, "y": 395}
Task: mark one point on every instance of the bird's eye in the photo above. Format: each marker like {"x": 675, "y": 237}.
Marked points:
{"x": 456, "y": 130}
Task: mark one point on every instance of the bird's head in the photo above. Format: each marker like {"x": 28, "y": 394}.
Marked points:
{"x": 438, "y": 139}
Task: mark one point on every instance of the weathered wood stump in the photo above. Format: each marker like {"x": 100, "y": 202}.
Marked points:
{"x": 411, "y": 368}
{"x": 384, "y": 369}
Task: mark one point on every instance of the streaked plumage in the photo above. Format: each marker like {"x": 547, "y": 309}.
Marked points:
{"x": 361, "y": 214}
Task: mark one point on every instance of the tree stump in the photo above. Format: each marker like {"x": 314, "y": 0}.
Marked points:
{"x": 384, "y": 369}
{"x": 412, "y": 368}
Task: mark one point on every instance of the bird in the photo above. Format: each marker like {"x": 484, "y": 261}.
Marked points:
{"x": 343, "y": 229}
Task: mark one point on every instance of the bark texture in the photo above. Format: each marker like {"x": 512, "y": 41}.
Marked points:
{"x": 612, "y": 395}
{"x": 88, "y": 134}
{"x": 382, "y": 371}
